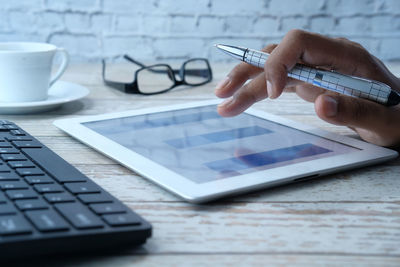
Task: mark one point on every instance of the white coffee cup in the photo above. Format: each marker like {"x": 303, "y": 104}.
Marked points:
{"x": 25, "y": 70}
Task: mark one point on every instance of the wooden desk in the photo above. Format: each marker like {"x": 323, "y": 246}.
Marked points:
{"x": 351, "y": 218}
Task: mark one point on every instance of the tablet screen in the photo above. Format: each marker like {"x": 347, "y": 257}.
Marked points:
{"x": 202, "y": 146}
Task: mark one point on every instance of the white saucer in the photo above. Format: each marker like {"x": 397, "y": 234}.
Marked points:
{"x": 61, "y": 92}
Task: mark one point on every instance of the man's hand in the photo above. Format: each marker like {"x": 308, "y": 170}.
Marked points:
{"x": 374, "y": 122}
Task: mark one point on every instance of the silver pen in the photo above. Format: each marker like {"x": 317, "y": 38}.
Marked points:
{"x": 330, "y": 80}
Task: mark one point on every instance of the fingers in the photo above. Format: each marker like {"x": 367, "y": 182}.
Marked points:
{"x": 317, "y": 50}
{"x": 374, "y": 122}
{"x": 235, "y": 79}
{"x": 238, "y": 76}
{"x": 244, "y": 97}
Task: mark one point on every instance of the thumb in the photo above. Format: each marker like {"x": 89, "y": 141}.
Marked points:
{"x": 353, "y": 112}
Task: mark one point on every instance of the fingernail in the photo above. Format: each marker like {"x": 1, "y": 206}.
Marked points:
{"x": 331, "y": 105}
{"x": 269, "y": 88}
{"x": 224, "y": 82}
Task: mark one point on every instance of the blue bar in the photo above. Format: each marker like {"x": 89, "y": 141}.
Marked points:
{"x": 266, "y": 158}
{"x": 176, "y": 120}
{"x": 316, "y": 83}
{"x": 216, "y": 137}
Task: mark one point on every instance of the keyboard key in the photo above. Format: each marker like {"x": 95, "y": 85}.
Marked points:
{"x": 7, "y": 208}
{"x": 122, "y": 219}
{"x": 108, "y": 208}
{"x": 3, "y": 128}
{"x": 95, "y": 198}
{"x": 29, "y": 171}
{"x": 39, "y": 179}
{"x": 19, "y": 138}
{"x": 31, "y": 204}
{"x": 49, "y": 188}
{"x": 27, "y": 144}
{"x": 9, "y": 176}
{"x": 11, "y": 126}
{"x": 5, "y": 145}
{"x": 17, "y": 132}
{"x": 14, "y": 225}
{"x": 5, "y": 168}
{"x": 12, "y": 185}
{"x": 59, "y": 197}
{"x": 8, "y": 151}
{"x": 79, "y": 188}
{"x": 2, "y": 198}
{"x": 10, "y": 157}
{"x": 21, "y": 164}
{"x": 47, "y": 220}
{"x": 80, "y": 216}
{"x": 21, "y": 194}
{"x": 57, "y": 167}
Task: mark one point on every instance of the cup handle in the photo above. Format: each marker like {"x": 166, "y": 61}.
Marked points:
{"x": 63, "y": 65}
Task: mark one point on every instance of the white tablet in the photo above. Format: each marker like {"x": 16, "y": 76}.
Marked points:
{"x": 200, "y": 156}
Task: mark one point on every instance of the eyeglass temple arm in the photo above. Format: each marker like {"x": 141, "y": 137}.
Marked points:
{"x": 117, "y": 85}
{"x": 134, "y": 61}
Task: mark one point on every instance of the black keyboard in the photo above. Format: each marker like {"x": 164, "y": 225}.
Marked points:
{"x": 47, "y": 206}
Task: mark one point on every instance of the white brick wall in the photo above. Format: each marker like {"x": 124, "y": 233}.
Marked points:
{"x": 170, "y": 29}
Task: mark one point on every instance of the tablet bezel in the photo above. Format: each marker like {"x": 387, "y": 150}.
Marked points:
{"x": 202, "y": 192}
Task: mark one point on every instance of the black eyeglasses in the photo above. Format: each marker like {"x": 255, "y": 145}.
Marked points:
{"x": 160, "y": 78}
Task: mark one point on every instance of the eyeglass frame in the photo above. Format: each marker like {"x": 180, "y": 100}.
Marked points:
{"x": 132, "y": 87}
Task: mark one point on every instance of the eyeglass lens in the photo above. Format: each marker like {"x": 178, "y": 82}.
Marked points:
{"x": 155, "y": 79}
{"x": 196, "y": 71}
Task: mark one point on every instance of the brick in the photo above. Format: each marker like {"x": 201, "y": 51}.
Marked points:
{"x": 238, "y": 24}
{"x": 322, "y": 24}
{"x": 156, "y": 24}
{"x": 137, "y": 47}
{"x": 248, "y": 7}
{"x": 389, "y": 49}
{"x": 297, "y": 7}
{"x": 86, "y": 46}
{"x": 350, "y": 7}
{"x": 178, "y": 48}
{"x": 129, "y": 6}
{"x": 290, "y": 23}
{"x": 77, "y": 22}
{"x": 73, "y": 5}
{"x": 128, "y": 24}
{"x": 101, "y": 22}
{"x": 387, "y": 6}
{"x": 183, "y": 7}
{"x": 50, "y": 21}
{"x": 21, "y": 5}
{"x": 353, "y": 25}
{"x": 23, "y": 21}
{"x": 265, "y": 25}
{"x": 211, "y": 25}
{"x": 183, "y": 24}
{"x": 23, "y": 37}
{"x": 385, "y": 23}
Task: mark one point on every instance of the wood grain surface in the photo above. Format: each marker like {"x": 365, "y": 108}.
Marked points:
{"x": 346, "y": 219}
